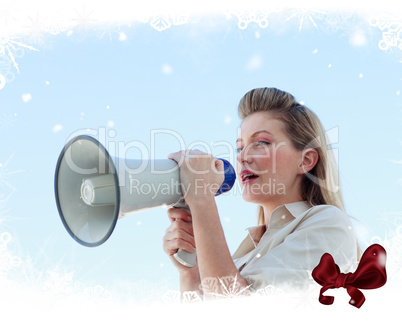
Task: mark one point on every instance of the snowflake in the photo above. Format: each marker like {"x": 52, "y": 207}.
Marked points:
{"x": 83, "y": 20}
{"x": 245, "y": 17}
{"x": 394, "y": 254}
{"x": 268, "y": 290}
{"x": 390, "y": 220}
{"x": 3, "y": 202}
{"x": 224, "y": 287}
{"x": 58, "y": 282}
{"x": 7, "y": 13}
{"x": 333, "y": 21}
{"x": 98, "y": 293}
{"x": 160, "y": 23}
{"x": 9, "y": 47}
{"x": 56, "y": 28}
{"x": 191, "y": 297}
{"x": 142, "y": 19}
{"x": 179, "y": 20}
{"x": 171, "y": 296}
{"x": 109, "y": 29}
{"x": 339, "y": 21}
{"x": 164, "y": 22}
{"x": 6, "y": 70}
{"x": 393, "y": 246}
{"x": 7, "y": 260}
{"x": 5, "y": 173}
{"x": 391, "y": 28}
{"x": 37, "y": 29}
{"x": 2, "y": 84}
{"x": 307, "y": 299}
{"x": 59, "y": 22}
{"x": 306, "y": 14}
{"x": 399, "y": 162}
{"x": 141, "y": 292}
{"x": 6, "y": 121}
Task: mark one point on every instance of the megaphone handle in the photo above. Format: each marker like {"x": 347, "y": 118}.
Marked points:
{"x": 186, "y": 258}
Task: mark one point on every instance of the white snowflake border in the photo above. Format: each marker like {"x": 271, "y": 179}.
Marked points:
{"x": 39, "y": 28}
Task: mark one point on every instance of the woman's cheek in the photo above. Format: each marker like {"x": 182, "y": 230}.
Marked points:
{"x": 278, "y": 164}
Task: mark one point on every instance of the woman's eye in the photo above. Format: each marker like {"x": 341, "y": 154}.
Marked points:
{"x": 258, "y": 143}
{"x": 262, "y": 143}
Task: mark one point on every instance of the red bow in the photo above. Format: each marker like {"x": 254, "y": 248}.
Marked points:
{"x": 370, "y": 274}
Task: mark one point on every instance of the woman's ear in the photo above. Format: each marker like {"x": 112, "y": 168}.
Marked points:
{"x": 309, "y": 160}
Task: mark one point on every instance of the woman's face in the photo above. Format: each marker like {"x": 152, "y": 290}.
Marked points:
{"x": 268, "y": 165}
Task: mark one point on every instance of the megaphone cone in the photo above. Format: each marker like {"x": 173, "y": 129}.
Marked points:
{"x": 93, "y": 190}
{"x": 84, "y": 157}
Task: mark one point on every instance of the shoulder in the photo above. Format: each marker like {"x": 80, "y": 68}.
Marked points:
{"x": 332, "y": 228}
{"x": 326, "y": 212}
{"x": 326, "y": 216}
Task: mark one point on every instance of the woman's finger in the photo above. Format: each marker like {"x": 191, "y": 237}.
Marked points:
{"x": 180, "y": 225}
{"x": 179, "y": 235}
{"x": 171, "y": 247}
{"x": 178, "y": 214}
{"x": 178, "y": 157}
{"x": 181, "y": 155}
{"x": 178, "y": 239}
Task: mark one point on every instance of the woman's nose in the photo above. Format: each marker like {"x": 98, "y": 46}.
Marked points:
{"x": 244, "y": 157}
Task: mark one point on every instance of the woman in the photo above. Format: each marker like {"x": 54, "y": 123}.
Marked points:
{"x": 283, "y": 165}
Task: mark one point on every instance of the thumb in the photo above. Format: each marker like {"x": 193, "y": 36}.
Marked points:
{"x": 219, "y": 166}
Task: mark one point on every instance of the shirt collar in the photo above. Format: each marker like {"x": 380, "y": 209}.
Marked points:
{"x": 256, "y": 232}
{"x": 280, "y": 216}
{"x": 297, "y": 208}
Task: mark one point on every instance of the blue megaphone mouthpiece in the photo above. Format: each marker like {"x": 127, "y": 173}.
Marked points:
{"x": 230, "y": 177}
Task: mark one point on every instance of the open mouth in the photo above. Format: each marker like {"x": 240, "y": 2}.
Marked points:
{"x": 247, "y": 177}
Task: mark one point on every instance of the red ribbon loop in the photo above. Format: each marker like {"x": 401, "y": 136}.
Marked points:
{"x": 370, "y": 274}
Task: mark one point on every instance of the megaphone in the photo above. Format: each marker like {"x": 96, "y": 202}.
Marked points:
{"x": 93, "y": 190}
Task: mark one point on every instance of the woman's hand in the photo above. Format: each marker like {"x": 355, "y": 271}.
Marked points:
{"x": 201, "y": 175}
{"x": 179, "y": 235}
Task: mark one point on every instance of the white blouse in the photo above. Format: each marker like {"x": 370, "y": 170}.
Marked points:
{"x": 298, "y": 235}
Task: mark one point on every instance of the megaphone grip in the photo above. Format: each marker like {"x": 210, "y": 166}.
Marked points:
{"x": 183, "y": 257}
{"x": 186, "y": 258}
{"x": 190, "y": 259}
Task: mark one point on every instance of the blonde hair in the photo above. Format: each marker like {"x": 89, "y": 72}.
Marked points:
{"x": 320, "y": 185}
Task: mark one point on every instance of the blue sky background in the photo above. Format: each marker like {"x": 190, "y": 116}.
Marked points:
{"x": 189, "y": 79}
